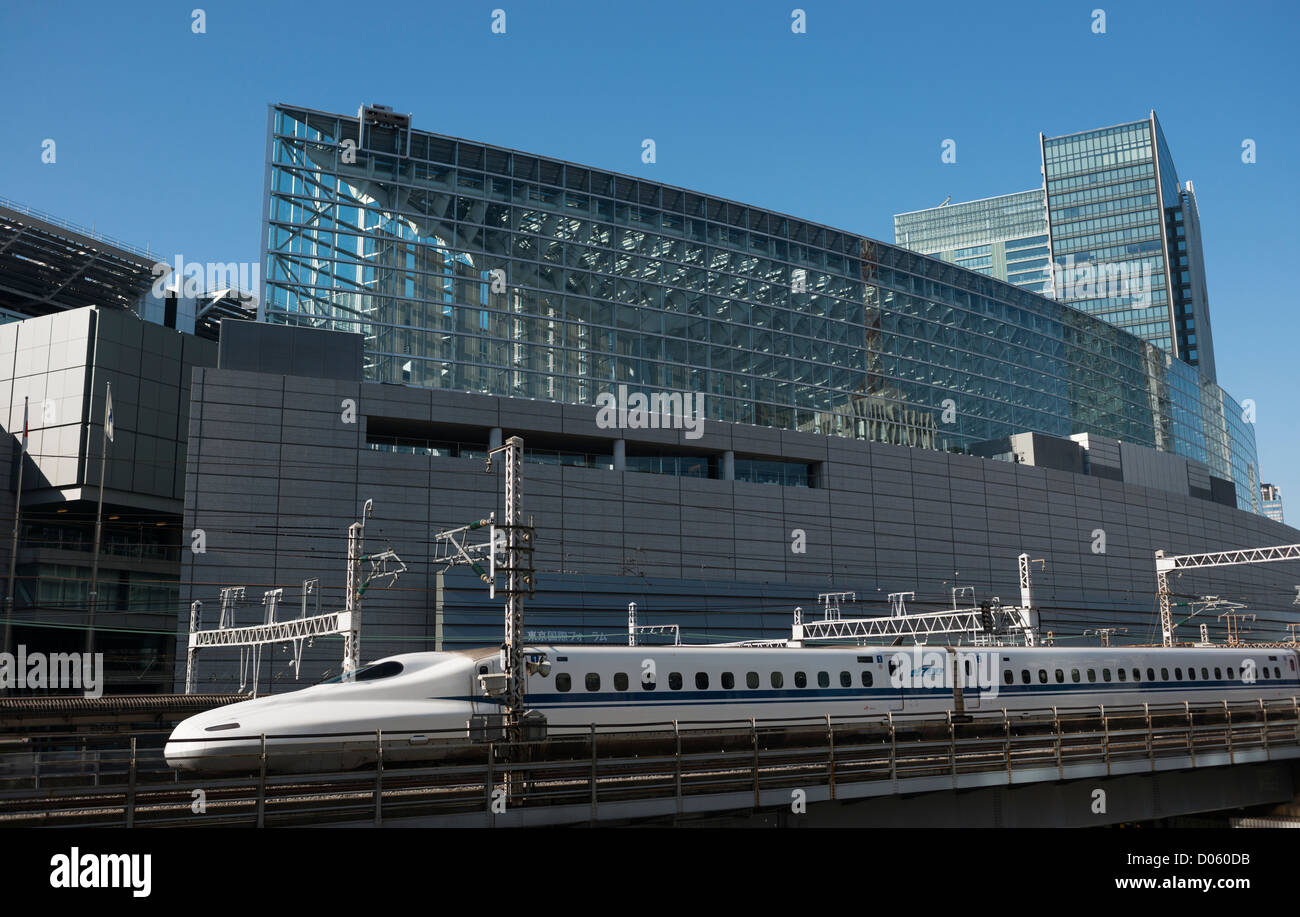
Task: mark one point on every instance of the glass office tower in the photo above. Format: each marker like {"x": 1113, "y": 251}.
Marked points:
{"x": 1125, "y": 236}
{"x": 1004, "y": 237}
{"x": 481, "y": 269}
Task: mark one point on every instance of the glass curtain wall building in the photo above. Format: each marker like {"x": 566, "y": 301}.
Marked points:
{"x": 475, "y": 268}
{"x": 1125, "y": 236}
{"x": 1004, "y": 237}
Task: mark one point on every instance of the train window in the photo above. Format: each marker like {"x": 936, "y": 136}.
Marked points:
{"x": 1042, "y": 676}
{"x": 593, "y": 681}
{"x": 1264, "y": 669}
{"x": 675, "y": 681}
{"x": 1024, "y": 676}
{"x": 1151, "y": 674}
{"x": 1105, "y": 674}
{"x": 1178, "y": 673}
{"x": 1137, "y": 674}
{"x": 1074, "y": 676}
{"x": 777, "y": 679}
{"x": 846, "y": 680}
{"x": 1218, "y": 674}
{"x": 377, "y": 671}
{"x": 1060, "y": 677}
{"x": 563, "y": 681}
{"x": 620, "y": 681}
{"x": 702, "y": 681}
{"x": 1229, "y": 674}
{"x": 1092, "y": 675}
{"x": 800, "y": 680}
{"x": 1123, "y": 674}
{"x": 1164, "y": 674}
{"x": 823, "y": 679}
{"x": 1277, "y": 672}
{"x": 1191, "y": 673}
{"x": 867, "y": 679}
{"x": 1205, "y": 673}
{"x": 751, "y": 680}
{"x": 1007, "y": 677}
{"x": 728, "y": 681}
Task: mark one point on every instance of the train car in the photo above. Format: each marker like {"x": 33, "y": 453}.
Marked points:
{"x": 425, "y": 702}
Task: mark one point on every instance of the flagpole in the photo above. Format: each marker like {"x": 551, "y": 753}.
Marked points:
{"x": 13, "y": 549}
{"x": 99, "y": 526}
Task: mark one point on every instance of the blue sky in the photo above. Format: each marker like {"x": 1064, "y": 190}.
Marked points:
{"x": 160, "y": 132}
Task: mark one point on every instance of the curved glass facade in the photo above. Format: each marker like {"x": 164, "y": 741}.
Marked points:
{"x": 480, "y": 269}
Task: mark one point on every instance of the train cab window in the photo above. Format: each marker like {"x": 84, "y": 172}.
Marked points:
{"x": 593, "y": 681}
{"x": 1178, "y": 673}
{"x": 1164, "y": 674}
{"x": 1123, "y": 674}
{"x": 800, "y": 680}
{"x": 1042, "y": 676}
{"x": 674, "y": 681}
{"x": 728, "y": 681}
{"x": 823, "y": 679}
{"x": 867, "y": 679}
{"x": 1007, "y": 677}
{"x": 563, "y": 681}
{"x": 1105, "y": 674}
{"x": 846, "y": 680}
{"x": 1060, "y": 677}
{"x": 777, "y": 679}
{"x": 1151, "y": 674}
{"x": 1074, "y": 676}
{"x": 702, "y": 681}
{"x": 620, "y": 681}
{"x": 751, "y": 680}
{"x": 1092, "y": 675}
{"x": 1024, "y": 676}
{"x": 1218, "y": 674}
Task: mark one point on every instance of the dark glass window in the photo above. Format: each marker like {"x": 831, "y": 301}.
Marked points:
{"x": 1205, "y": 673}
{"x": 674, "y": 681}
{"x": 620, "y": 681}
{"x": 1007, "y": 677}
{"x": 728, "y": 681}
{"x": 702, "y": 681}
{"x": 1218, "y": 674}
{"x": 593, "y": 681}
{"x": 1123, "y": 674}
{"x": 1105, "y": 674}
{"x": 800, "y": 680}
{"x": 563, "y": 682}
{"x": 1164, "y": 674}
{"x": 1092, "y": 675}
{"x": 866, "y": 679}
{"x": 1178, "y": 673}
{"x": 1074, "y": 675}
{"x": 1042, "y": 676}
{"x": 751, "y": 680}
{"x": 823, "y": 679}
{"x": 377, "y": 671}
{"x": 1060, "y": 677}
{"x": 777, "y": 679}
{"x": 846, "y": 680}
{"x": 1151, "y": 674}
{"x": 1024, "y": 676}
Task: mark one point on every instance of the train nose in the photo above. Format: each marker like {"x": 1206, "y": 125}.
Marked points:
{"x": 213, "y": 738}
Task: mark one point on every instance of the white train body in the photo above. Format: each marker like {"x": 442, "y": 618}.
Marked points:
{"x": 423, "y": 702}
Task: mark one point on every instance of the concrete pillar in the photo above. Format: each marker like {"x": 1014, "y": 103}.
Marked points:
{"x": 620, "y": 455}
{"x": 494, "y": 438}
{"x": 729, "y": 465}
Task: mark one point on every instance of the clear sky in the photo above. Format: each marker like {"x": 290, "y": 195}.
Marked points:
{"x": 160, "y": 132}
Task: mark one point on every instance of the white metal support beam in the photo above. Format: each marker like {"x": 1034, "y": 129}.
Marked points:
{"x": 1167, "y": 563}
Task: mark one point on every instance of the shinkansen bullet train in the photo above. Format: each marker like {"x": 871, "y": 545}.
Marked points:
{"x": 424, "y": 702}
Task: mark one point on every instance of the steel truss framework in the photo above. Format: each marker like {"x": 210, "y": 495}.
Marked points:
{"x": 1168, "y": 563}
